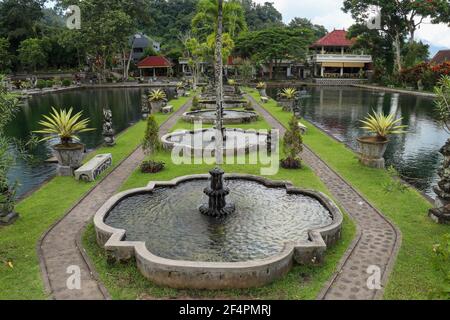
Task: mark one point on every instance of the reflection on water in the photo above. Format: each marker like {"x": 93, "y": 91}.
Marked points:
{"x": 415, "y": 154}
{"x": 168, "y": 220}
{"x": 124, "y": 103}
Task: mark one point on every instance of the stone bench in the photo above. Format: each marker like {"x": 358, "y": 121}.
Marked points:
{"x": 167, "y": 109}
{"x": 303, "y": 128}
{"x": 94, "y": 167}
{"x": 264, "y": 99}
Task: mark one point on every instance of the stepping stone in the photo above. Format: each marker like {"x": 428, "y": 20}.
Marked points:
{"x": 264, "y": 99}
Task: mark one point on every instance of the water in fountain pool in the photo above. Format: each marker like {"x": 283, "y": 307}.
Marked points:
{"x": 169, "y": 222}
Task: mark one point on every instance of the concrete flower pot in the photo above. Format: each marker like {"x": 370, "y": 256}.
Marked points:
{"x": 372, "y": 151}
{"x": 262, "y": 92}
{"x": 70, "y": 157}
{"x": 286, "y": 104}
{"x": 181, "y": 92}
{"x": 7, "y": 214}
{"x": 156, "y": 106}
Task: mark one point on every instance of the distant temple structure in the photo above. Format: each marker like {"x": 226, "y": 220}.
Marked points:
{"x": 333, "y": 57}
{"x": 154, "y": 66}
{"x": 441, "y": 57}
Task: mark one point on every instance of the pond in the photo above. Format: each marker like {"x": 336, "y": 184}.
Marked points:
{"x": 125, "y": 106}
{"x": 337, "y": 110}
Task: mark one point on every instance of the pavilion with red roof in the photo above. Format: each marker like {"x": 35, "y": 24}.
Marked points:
{"x": 154, "y": 66}
{"x": 333, "y": 56}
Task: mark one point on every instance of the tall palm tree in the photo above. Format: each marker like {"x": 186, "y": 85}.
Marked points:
{"x": 219, "y": 84}
{"x": 205, "y": 20}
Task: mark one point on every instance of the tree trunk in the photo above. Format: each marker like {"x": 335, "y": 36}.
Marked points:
{"x": 219, "y": 86}
{"x": 398, "y": 53}
{"x": 271, "y": 70}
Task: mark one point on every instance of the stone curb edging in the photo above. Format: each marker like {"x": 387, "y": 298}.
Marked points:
{"x": 216, "y": 275}
{"x": 44, "y": 272}
{"x": 78, "y": 240}
{"x": 398, "y": 236}
{"x": 395, "y": 90}
{"x": 247, "y": 117}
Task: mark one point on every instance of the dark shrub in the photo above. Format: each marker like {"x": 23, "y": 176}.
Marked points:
{"x": 152, "y": 166}
{"x": 41, "y": 84}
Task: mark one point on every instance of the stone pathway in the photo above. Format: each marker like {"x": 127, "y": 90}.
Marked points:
{"x": 58, "y": 248}
{"x": 376, "y": 245}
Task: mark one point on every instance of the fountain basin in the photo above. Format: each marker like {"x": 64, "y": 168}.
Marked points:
{"x": 176, "y": 246}
{"x": 229, "y": 116}
{"x": 197, "y": 141}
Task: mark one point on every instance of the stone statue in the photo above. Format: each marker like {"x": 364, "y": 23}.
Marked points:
{"x": 108, "y": 131}
{"x": 441, "y": 213}
{"x": 145, "y": 107}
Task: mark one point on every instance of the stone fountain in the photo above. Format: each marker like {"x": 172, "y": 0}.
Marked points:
{"x": 249, "y": 241}
{"x": 217, "y": 206}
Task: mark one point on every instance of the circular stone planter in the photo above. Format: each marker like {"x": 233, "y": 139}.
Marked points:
{"x": 218, "y": 275}
{"x": 197, "y": 142}
{"x": 229, "y": 116}
{"x": 372, "y": 151}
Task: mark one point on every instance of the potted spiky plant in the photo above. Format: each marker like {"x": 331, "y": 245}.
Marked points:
{"x": 261, "y": 87}
{"x": 181, "y": 90}
{"x": 157, "y": 98}
{"x": 287, "y": 98}
{"x": 373, "y": 147}
{"x": 65, "y": 125}
{"x": 234, "y": 84}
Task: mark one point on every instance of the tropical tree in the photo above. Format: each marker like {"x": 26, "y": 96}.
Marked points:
{"x": 377, "y": 44}
{"x": 5, "y": 56}
{"x": 32, "y": 53}
{"x": 205, "y": 20}
{"x": 303, "y": 23}
{"x": 399, "y": 19}
{"x": 19, "y": 20}
{"x": 273, "y": 45}
{"x": 261, "y": 16}
{"x": 195, "y": 52}
{"x": 8, "y": 108}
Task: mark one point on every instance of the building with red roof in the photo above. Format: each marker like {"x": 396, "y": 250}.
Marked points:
{"x": 154, "y": 66}
{"x": 333, "y": 56}
{"x": 441, "y": 57}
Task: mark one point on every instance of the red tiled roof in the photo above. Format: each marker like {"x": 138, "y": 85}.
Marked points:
{"x": 336, "y": 38}
{"x": 154, "y": 62}
{"x": 441, "y": 57}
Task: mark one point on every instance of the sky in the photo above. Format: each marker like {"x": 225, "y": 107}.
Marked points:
{"x": 329, "y": 14}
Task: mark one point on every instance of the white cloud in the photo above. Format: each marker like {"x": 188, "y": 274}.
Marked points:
{"x": 329, "y": 14}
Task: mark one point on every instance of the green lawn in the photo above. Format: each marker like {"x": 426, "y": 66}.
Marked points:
{"x": 41, "y": 209}
{"x": 414, "y": 276}
{"x": 124, "y": 281}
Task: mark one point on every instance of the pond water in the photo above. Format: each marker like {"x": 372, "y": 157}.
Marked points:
{"x": 168, "y": 220}
{"x": 125, "y": 106}
{"x": 415, "y": 154}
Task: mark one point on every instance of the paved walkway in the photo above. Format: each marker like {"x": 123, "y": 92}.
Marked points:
{"x": 58, "y": 248}
{"x": 377, "y": 242}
